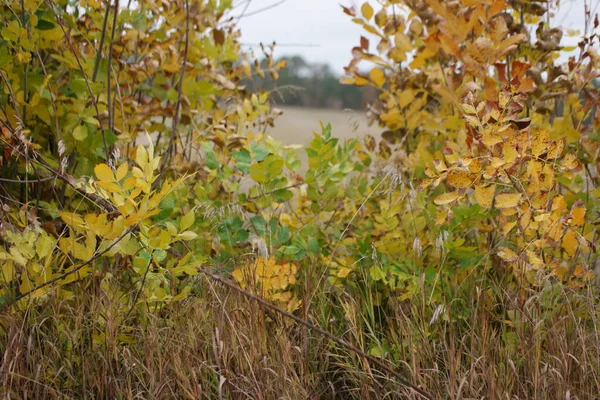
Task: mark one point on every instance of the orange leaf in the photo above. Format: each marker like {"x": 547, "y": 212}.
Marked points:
{"x": 460, "y": 179}
{"x": 570, "y": 243}
{"x": 526, "y": 85}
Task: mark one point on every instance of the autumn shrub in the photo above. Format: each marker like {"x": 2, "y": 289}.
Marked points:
{"x": 145, "y": 206}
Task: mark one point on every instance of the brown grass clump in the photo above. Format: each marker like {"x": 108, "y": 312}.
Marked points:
{"x": 218, "y": 344}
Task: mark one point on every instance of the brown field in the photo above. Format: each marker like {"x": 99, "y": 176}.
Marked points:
{"x": 296, "y": 125}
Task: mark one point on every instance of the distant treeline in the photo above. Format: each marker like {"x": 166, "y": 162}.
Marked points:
{"x": 307, "y": 84}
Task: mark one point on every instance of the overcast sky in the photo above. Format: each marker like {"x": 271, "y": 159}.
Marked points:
{"x": 320, "y": 32}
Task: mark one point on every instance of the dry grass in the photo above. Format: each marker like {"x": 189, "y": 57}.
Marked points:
{"x": 217, "y": 344}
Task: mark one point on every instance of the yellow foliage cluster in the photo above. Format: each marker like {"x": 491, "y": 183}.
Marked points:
{"x": 271, "y": 280}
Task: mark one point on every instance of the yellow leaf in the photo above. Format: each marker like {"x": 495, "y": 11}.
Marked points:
{"x": 540, "y": 142}
{"x": 377, "y": 76}
{"x": 104, "y": 173}
{"x": 507, "y": 200}
{"x": 141, "y": 156}
{"x": 110, "y": 186}
{"x": 343, "y": 272}
{"x": 485, "y": 195}
{"x": 508, "y": 227}
{"x": 556, "y": 149}
{"x": 44, "y": 245}
{"x": 509, "y": 151}
{"x": 460, "y": 179}
{"x": 570, "y": 243}
{"x": 366, "y": 10}
{"x": 405, "y": 98}
{"x": 72, "y": 219}
{"x": 447, "y": 198}
{"x": 188, "y": 235}
{"x": 121, "y": 171}
{"x": 578, "y": 214}
{"x": 7, "y": 272}
{"x": 507, "y": 254}
{"x": 402, "y": 42}
{"x": 570, "y": 162}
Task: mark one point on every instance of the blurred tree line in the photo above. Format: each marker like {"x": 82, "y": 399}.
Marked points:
{"x": 305, "y": 84}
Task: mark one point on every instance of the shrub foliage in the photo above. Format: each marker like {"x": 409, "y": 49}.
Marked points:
{"x": 135, "y": 163}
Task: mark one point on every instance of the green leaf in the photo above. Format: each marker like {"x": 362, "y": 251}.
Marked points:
{"x": 260, "y": 152}
{"x": 282, "y": 195}
{"x": 44, "y": 25}
{"x": 258, "y": 173}
{"x": 291, "y": 251}
{"x": 275, "y": 166}
{"x": 159, "y": 255}
{"x": 259, "y": 224}
{"x": 140, "y": 263}
{"x": 243, "y": 159}
{"x": 313, "y": 245}
{"x": 376, "y": 273}
{"x": 211, "y": 161}
{"x": 80, "y": 133}
{"x": 187, "y": 220}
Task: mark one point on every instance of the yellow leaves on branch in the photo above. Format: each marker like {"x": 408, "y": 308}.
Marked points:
{"x": 270, "y": 279}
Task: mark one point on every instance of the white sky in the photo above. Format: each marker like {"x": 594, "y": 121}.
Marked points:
{"x": 330, "y": 34}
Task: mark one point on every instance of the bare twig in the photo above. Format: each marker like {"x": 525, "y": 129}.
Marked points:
{"x": 175, "y": 121}
{"x": 102, "y": 34}
{"x": 263, "y": 9}
{"x": 26, "y": 65}
{"x": 49, "y": 178}
{"x": 111, "y": 117}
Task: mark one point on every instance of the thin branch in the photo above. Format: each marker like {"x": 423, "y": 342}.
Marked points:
{"x": 266, "y": 8}
{"x": 175, "y": 121}
{"x": 49, "y": 178}
{"x": 248, "y": 2}
{"x": 111, "y": 117}
{"x": 99, "y": 52}
{"x": 26, "y": 65}
{"x": 273, "y": 191}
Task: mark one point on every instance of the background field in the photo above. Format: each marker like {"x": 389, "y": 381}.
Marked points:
{"x": 297, "y": 124}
